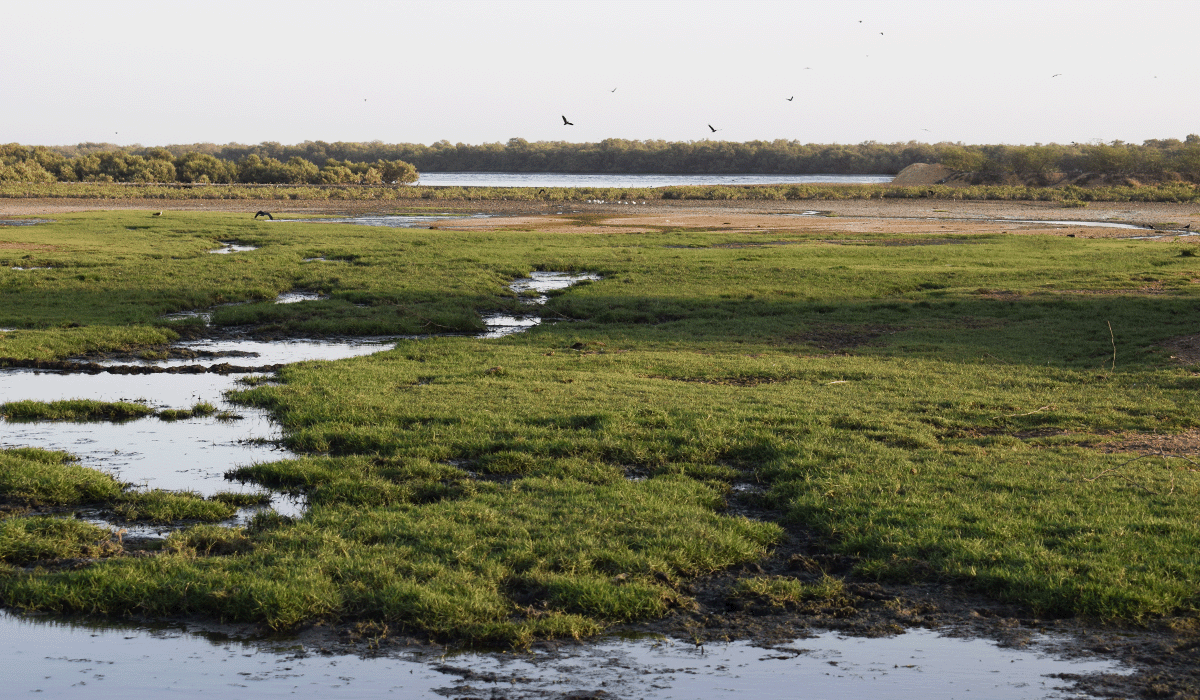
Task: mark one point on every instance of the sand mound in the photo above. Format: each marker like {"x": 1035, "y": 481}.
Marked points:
{"x": 919, "y": 174}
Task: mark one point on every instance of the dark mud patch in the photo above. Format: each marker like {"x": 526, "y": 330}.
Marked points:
{"x": 723, "y": 381}
{"x": 94, "y": 368}
{"x": 1166, "y": 653}
{"x": 841, "y": 337}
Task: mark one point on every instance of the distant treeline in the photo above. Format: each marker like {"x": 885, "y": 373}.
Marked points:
{"x": 318, "y": 162}
{"x": 115, "y": 164}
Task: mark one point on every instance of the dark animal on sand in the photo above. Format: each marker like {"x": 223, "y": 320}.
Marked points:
{"x": 567, "y": 123}
{"x": 264, "y": 213}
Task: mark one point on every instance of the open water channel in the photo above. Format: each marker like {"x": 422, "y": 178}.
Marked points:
{"x": 50, "y": 657}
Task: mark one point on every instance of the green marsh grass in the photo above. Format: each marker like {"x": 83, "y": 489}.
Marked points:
{"x": 934, "y": 411}
{"x": 74, "y": 410}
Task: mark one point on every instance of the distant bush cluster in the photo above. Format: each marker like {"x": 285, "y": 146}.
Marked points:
{"x": 39, "y": 164}
{"x": 380, "y": 163}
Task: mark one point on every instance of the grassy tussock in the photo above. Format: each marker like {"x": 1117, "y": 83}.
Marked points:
{"x": 790, "y": 592}
{"x": 24, "y": 541}
{"x": 40, "y": 477}
{"x": 74, "y": 410}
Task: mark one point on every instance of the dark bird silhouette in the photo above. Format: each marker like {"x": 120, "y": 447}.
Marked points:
{"x": 541, "y": 192}
{"x": 1056, "y": 75}
{"x": 264, "y": 213}
{"x": 1189, "y": 226}
{"x": 791, "y": 98}
{"x": 567, "y": 123}
{"x": 613, "y": 90}
{"x": 158, "y": 213}
{"x": 714, "y": 129}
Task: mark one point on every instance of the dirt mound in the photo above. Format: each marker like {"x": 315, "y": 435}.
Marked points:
{"x": 919, "y": 174}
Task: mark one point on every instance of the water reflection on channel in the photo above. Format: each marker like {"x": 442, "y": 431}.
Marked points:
{"x": 63, "y": 659}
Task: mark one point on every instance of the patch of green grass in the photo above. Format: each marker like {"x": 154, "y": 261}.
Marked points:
{"x": 27, "y": 540}
{"x": 40, "y": 477}
{"x": 158, "y": 506}
{"x": 74, "y": 410}
{"x": 784, "y": 592}
{"x": 199, "y": 410}
{"x": 931, "y": 410}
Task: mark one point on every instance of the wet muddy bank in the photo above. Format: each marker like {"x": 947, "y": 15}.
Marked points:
{"x": 95, "y": 368}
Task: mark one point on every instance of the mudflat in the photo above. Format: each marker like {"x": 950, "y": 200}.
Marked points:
{"x": 882, "y": 216}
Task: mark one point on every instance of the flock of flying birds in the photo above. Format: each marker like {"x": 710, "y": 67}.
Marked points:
{"x": 714, "y": 129}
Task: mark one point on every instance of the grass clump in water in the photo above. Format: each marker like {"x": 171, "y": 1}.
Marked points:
{"x": 30, "y": 476}
{"x": 200, "y": 410}
{"x": 26, "y": 540}
{"x": 74, "y": 410}
{"x": 158, "y": 506}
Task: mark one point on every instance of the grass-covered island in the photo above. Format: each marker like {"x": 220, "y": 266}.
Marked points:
{"x": 805, "y": 412}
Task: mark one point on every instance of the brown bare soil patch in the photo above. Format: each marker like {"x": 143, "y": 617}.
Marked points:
{"x": 1185, "y": 443}
{"x": 9, "y": 245}
{"x": 723, "y": 381}
{"x": 1185, "y": 350}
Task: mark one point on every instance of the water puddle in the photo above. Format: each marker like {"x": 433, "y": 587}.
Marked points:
{"x": 1101, "y": 224}
{"x": 73, "y": 659}
{"x": 293, "y": 297}
{"x": 29, "y": 268}
{"x": 24, "y": 222}
{"x": 543, "y": 282}
{"x": 388, "y": 221}
{"x": 232, "y": 247}
{"x": 190, "y": 454}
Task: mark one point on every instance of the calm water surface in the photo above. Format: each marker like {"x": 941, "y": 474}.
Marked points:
{"x": 621, "y": 180}
{"x": 47, "y": 658}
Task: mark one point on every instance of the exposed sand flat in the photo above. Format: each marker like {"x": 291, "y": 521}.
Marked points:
{"x": 896, "y": 216}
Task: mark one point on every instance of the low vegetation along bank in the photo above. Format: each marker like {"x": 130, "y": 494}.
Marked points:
{"x": 1068, "y": 195}
{"x": 963, "y": 410}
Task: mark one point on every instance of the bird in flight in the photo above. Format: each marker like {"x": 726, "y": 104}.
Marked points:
{"x": 613, "y": 90}
{"x": 567, "y": 123}
{"x": 791, "y": 98}
{"x": 264, "y": 213}
{"x": 714, "y": 129}
{"x": 1056, "y": 75}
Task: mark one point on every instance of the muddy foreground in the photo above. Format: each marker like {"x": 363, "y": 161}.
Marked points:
{"x": 1165, "y": 652}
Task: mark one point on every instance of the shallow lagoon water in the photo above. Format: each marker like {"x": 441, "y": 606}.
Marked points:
{"x": 70, "y": 659}
{"x": 465, "y": 179}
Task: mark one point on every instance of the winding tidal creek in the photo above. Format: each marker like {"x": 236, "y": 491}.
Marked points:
{"x": 70, "y": 658}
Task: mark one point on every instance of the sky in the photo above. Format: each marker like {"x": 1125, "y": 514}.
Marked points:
{"x": 468, "y": 71}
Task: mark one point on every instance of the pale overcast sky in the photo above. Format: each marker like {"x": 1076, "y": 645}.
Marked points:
{"x": 420, "y": 71}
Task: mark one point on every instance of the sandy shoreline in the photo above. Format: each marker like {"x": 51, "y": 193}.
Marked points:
{"x": 898, "y": 216}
